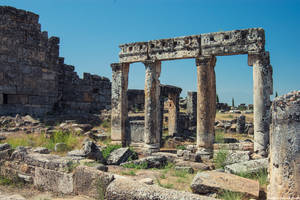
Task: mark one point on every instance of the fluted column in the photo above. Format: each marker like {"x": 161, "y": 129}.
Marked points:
{"x": 119, "y": 110}
{"x": 152, "y": 105}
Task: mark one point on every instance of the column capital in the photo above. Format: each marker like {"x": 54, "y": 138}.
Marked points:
{"x": 151, "y": 62}
{"x": 263, "y": 58}
{"x": 205, "y": 60}
{"x": 119, "y": 66}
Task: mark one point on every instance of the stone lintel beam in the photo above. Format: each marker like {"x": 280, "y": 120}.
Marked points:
{"x": 119, "y": 110}
{"x": 262, "y": 89}
{"x": 244, "y": 41}
{"x": 206, "y": 99}
{"x": 152, "y": 105}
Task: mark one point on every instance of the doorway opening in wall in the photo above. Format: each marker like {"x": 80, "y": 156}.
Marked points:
{"x": 5, "y": 101}
{"x": 234, "y": 108}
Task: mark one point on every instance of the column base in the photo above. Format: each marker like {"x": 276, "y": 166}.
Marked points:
{"x": 204, "y": 154}
{"x": 148, "y": 149}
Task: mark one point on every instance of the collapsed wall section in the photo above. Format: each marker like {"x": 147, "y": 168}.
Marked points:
{"x": 33, "y": 79}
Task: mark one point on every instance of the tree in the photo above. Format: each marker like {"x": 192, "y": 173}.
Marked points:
{"x": 276, "y": 94}
{"x": 217, "y": 98}
{"x": 232, "y": 102}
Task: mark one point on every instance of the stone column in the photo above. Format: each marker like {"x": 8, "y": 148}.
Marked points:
{"x": 206, "y": 101}
{"x": 119, "y": 110}
{"x": 173, "y": 101}
{"x": 261, "y": 100}
{"x": 284, "y": 156}
{"x": 191, "y": 106}
{"x": 152, "y": 105}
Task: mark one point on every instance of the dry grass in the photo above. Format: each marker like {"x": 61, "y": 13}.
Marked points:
{"x": 230, "y": 116}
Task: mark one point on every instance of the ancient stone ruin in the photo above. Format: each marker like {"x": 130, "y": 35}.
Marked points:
{"x": 34, "y": 79}
{"x": 204, "y": 48}
{"x": 284, "y": 165}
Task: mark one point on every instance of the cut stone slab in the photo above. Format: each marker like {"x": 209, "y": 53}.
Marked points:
{"x": 55, "y": 181}
{"x": 91, "y": 182}
{"x": 124, "y": 188}
{"x": 11, "y": 197}
{"x": 41, "y": 150}
{"x": 119, "y": 156}
{"x": 213, "y": 181}
{"x": 60, "y": 147}
{"x": 251, "y": 166}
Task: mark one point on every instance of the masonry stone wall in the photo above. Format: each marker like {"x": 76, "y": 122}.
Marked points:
{"x": 33, "y": 79}
{"x": 136, "y": 100}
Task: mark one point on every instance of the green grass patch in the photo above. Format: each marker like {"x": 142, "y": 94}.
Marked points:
{"x": 168, "y": 185}
{"x": 129, "y": 173}
{"x": 40, "y": 140}
{"x": 181, "y": 173}
{"x": 110, "y": 148}
{"x": 229, "y": 195}
{"x": 219, "y": 136}
{"x": 71, "y": 166}
{"x": 220, "y": 159}
{"x": 16, "y": 182}
{"x": 143, "y": 165}
{"x": 261, "y": 176}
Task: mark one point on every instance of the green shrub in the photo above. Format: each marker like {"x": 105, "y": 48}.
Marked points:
{"x": 181, "y": 147}
{"x": 220, "y": 159}
{"x": 110, "y": 148}
{"x": 106, "y": 123}
{"x": 181, "y": 173}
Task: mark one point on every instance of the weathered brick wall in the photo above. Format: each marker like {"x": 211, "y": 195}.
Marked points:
{"x": 33, "y": 79}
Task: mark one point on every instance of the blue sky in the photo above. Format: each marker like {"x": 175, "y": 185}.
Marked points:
{"x": 91, "y": 30}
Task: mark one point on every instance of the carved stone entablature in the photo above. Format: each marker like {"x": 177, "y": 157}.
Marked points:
{"x": 246, "y": 41}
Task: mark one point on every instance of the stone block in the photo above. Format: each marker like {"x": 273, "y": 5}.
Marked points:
{"x": 251, "y": 166}
{"x": 174, "y": 48}
{"x": 134, "y": 52}
{"x": 90, "y": 181}
{"x": 233, "y": 42}
{"x": 213, "y": 181}
{"x": 136, "y": 130}
{"x": 54, "y": 181}
{"x": 119, "y": 156}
